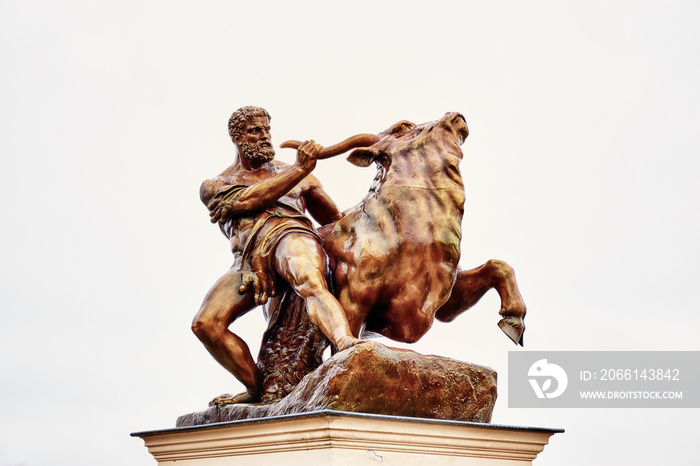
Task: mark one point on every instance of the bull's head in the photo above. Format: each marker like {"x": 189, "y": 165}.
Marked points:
{"x": 406, "y": 135}
{"x": 400, "y": 136}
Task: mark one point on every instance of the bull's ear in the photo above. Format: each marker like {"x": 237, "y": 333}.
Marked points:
{"x": 363, "y": 157}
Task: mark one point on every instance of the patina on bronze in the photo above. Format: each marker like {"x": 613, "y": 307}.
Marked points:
{"x": 395, "y": 255}
{"x": 391, "y": 261}
{"x": 260, "y": 204}
{"x": 375, "y": 379}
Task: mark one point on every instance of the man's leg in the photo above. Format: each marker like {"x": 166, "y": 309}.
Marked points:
{"x": 301, "y": 261}
{"x": 222, "y": 305}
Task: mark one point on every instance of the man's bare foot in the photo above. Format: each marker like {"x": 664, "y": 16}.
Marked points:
{"x": 228, "y": 399}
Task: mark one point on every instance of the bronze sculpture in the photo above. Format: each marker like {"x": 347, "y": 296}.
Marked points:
{"x": 392, "y": 260}
{"x": 260, "y": 204}
{"x": 395, "y": 254}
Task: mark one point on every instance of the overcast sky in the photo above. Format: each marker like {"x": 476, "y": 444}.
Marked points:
{"x": 580, "y": 171}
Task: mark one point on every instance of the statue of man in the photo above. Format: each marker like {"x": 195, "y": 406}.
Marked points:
{"x": 260, "y": 205}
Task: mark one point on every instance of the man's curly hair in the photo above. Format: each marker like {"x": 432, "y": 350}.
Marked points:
{"x": 243, "y": 114}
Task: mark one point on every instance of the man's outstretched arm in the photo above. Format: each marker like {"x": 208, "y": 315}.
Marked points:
{"x": 266, "y": 192}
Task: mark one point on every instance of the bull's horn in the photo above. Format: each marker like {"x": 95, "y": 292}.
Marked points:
{"x": 359, "y": 140}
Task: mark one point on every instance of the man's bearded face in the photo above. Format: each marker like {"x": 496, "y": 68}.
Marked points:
{"x": 254, "y": 140}
{"x": 258, "y": 152}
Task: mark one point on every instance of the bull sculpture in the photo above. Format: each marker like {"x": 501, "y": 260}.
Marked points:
{"x": 394, "y": 257}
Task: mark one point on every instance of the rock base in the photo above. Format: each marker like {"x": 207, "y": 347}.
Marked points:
{"x": 374, "y": 379}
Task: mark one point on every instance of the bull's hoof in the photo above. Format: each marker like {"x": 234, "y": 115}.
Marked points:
{"x": 514, "y": 327}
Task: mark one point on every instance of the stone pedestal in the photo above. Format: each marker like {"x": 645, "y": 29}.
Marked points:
{"x": 337, "y": 438}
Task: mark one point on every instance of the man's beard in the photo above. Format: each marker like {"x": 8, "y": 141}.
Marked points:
{"x": 257, "y": 153}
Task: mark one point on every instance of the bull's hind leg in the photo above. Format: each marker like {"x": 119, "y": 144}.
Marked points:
{"x": 471, "y": 285}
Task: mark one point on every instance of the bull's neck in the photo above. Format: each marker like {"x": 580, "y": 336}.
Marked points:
{"x": 420, "y": 169}
{"x": 424, "y": 198}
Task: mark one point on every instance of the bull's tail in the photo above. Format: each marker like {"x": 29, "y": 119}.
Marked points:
{"x": 291, "y": 348}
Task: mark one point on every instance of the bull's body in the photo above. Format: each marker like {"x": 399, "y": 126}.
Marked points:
{"x": 395, "y": 254}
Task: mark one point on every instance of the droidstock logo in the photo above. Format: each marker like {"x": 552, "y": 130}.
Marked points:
{"x": 545, "y": 372}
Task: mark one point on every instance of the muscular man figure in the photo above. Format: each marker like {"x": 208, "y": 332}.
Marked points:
{"x": 259, "y": 204}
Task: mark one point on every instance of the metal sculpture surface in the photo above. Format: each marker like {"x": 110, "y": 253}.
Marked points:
{"x": 395, "y": 254}
{"x": 260, "y": 204}
{"x": 392, "y": 259}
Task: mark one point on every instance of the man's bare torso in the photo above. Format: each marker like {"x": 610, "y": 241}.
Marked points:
{"x": 238, "y": 228}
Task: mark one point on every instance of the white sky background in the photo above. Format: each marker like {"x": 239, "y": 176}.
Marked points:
{"x": 581, "y": 172}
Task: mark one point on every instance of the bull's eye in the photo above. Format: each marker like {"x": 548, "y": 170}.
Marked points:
{"x": 402, "y": 126}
